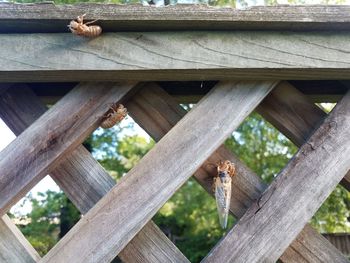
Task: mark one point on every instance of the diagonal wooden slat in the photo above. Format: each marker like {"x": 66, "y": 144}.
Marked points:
{"x": 275, "y": 219}
{"x": 294, "y": 115}
{"x": 157, "y": 112}
{"x": 120, "y": 214}
{"x": 85, "y": 181}
{"x": 14, "y": 248}
{"x": 58, "y": 132}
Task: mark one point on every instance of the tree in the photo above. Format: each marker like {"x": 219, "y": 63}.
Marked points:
{"x": 51, "y": 218}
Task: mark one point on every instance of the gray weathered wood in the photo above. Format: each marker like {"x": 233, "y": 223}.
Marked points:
{"x": 157, "y": 113}
{"x": 51, "y": 18}
{"x": 294, "y": 115}
{"x": 275, "y": 219}
{"x": 175, "y": 56}
{"x": 55, "y": 134}
{"x": 14, "y": 248}
{"x": 85, "y": 182}
{"x": 121, "y": 214}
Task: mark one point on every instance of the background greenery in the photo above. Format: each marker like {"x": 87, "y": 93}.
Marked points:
{"x": 189, "y": 218}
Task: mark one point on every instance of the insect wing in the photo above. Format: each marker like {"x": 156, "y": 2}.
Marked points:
{"x": 223, "y": 196}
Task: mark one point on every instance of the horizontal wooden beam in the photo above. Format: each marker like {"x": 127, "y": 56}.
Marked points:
{"x": 40, "y": 148}
{"x": 175, "y": 56}
{"x": 85, "y": 182}
{"x": 46, "y": 17}
{"x": 157, "y": 113}
{"x": 14, "y": 248}
{"x": 121, "y": 214}
{"x": 275, "y": 219}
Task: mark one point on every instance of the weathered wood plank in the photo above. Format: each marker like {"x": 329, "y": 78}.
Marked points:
{"x": 85, "y": 182}
{"x": 51, "y": 18}
{"x": 116, "y": 218}
{"x": 275, "y": 219}
{"x": 55, "y": 134}
{"x": 294, "y": 115}
{"x": 311, "y": 247}
{"x": 157, "y": 112}
{"x": 14, "y": 248}
{"x": 175, "y": 56}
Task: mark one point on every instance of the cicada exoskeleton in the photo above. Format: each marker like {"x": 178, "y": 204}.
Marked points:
{"x": 222, "y": 188}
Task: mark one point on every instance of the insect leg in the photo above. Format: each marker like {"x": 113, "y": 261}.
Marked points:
{"x": 88, "y": 23}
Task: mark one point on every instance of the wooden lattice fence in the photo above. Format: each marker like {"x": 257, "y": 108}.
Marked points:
{"x": 252, "y": 67}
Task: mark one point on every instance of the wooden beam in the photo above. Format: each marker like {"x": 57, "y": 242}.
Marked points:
{"x": 85, "y": 182}
{"x": 291, "y": 113}
{"x": 157, "y": 113}
{"x": 275, "y": 219}
{"x": 294, "y": 115}
{"x": 121, "y": 214}
{"x": 14, "y": 248}
{"x": 175, "y": 56}
{"x": 46, "y": 17}
{"x": 55, "y": 134}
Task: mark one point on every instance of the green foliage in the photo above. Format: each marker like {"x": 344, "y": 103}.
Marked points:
{"x": 190, "y": 220}
{"x": 333, "y": 216}
{"x": 261, "y": 147}
{"x": 117, "y": 150}
{"x": 42, "y": 226}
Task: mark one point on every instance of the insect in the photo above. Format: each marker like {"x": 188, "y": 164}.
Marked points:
{"x": 115, "y": 114}
{"x": 222, "y": 188}
{"x": 77, "y": 27}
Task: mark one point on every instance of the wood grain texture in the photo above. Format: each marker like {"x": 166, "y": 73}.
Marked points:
{"x": 275, "y": 219}
{"x": 117, "y": 217}
{"x": 294, "y": 115}
{"x": 175, "y": 56}
{"x": 157, "y": 112}
{"x": 51, "y": 18}
{"x": 14, "y": 248}
{"x": 55, "y": 134}
{"x": 85, "y": 182}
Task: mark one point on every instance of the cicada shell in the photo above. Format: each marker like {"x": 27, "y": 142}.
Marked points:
{"x": 222, "y": 187}
{"x": 115, "y": 115}
{"x": 77, "y": 27}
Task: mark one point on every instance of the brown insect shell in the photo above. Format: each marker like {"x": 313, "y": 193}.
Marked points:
{"x": 227, "y": 167}
{"x": 73, "y": 24}
{"x": 115, "y": 115}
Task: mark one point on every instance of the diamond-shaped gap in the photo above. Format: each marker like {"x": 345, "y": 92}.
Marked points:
{"x": 45, "y": 214}
{"x": 119, "y": 148}
{"x": 261, "y": 147}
